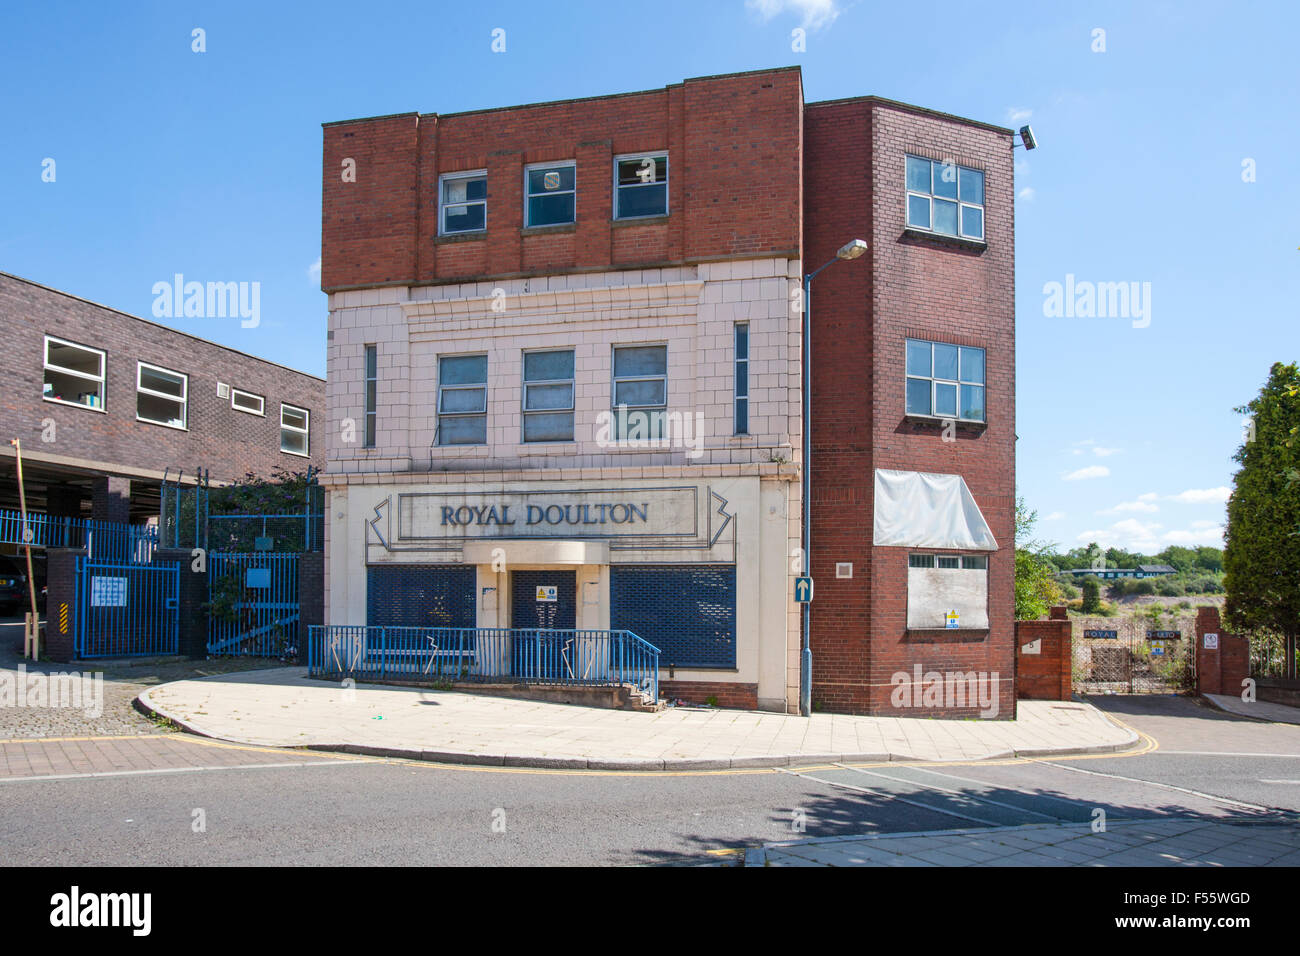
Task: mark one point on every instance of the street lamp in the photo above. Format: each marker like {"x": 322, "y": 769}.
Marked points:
{"x": 850, "y": 250}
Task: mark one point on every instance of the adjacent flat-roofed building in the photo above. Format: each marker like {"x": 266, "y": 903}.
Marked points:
{"x": 106, "y": 404}
{"x": 565, "y": 372}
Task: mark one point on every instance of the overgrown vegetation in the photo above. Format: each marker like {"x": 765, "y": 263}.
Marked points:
{"x": 1036, "y": 590}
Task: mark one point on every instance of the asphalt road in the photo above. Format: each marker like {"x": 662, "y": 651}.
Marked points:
{"x": 261, "y": 806}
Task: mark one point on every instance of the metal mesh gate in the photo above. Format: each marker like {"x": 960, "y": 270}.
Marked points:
{"x": 1123, "y": 656}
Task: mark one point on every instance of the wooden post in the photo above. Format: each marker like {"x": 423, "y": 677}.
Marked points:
{"x": 32, "y": 627}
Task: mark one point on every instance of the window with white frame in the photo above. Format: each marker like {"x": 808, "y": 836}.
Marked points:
{"x": 295, "y": 430}
{"x": 161, "y": 395}
{"x": 548, "y": 396}
{"x": 640, "y": 391}
{"x": 742, "y": 378}
{"x": 372, "y": 396}
{"x": 550, "y": 194}
{"x": 945, "y": 198}
{"x": 641, "y": 186}
{"x": 242, "y": 401}
{"x": 74, "y": 374}
{"x": 462, "y": 400}
{"x": 462, "y": 201}
{"x": 945, "y": 381}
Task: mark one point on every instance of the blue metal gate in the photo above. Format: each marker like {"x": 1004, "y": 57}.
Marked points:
{"x": 127, "y": 610}
{"x": 253, "y": 604}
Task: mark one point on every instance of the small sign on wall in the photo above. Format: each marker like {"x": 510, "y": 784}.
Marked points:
{"x": 1033, "y": 647}
{"x": 1104, "y": 635}
{"x": 951, "y": 621}
{"x": 107, "y": 592}
{"x": 1211, "y": 642}
{"x": 548, "y": 593}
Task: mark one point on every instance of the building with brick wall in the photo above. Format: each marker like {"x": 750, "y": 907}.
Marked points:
{"x": 105, "y": 404}
{"x": 569, "y": 336}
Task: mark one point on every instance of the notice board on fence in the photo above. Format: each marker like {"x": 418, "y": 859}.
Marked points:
{"x": 107, "y": 591}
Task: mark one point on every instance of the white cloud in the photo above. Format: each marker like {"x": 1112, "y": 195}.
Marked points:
{"x": 1105, "y": 452}
{"x": 1092, "y": 471}
{"x": 1149, "y": 496}
{"x": 1149, "y": 537}
{"x": 1130, "y": 534}
{"x": 1015, "y": 115}
{"x": 1200, "y": 496}
{"x": 1201, "y": 533}
{"x": 313, "y": 270}
{"x": 814, "y": 14}
{"x": 1055, "y": 516}
{"x": 1141, "y": 505}
{"x": 1027, "y": 194}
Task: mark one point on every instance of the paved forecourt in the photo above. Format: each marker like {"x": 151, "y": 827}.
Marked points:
{"x": 285, "y": 708}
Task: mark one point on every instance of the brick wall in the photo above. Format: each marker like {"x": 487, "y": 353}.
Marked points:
{"x": 1048, "y": 674}
{"x": 734, "y": 174}
{"x": 737, "y": 696}
{"x": 228, "y": 442}
{"x": 61, "y": 589}
{"x": 862, "y": 312}
{"x": 1219, "y": 670}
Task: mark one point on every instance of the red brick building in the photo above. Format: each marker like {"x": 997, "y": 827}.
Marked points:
{"x": 684, "y": 219}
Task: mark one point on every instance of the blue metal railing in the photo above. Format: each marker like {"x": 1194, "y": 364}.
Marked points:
{"x": 104, "y": 540}
{"x": 485, "y": 655}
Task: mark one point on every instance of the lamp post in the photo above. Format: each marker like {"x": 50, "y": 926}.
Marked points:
{"x": 850, "y": 250}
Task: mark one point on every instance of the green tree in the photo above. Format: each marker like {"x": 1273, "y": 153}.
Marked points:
{"x": 1177, "y": 557}
{"x": 1091, "y": 595}
{"x": 1261, "y": 560}
{"x": 1035, "y": 588}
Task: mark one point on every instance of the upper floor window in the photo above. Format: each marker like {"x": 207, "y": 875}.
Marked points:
{"x": 945, "y": 381}
{"x": 640, "y": 186}
{"x": 945, "y": 198}
{"x": 640, "y": 390}
{"x": 550, "y": 194}
{"x": 372, "y": 388}
{"x": 548, "y": 396}
{"x": 462, "y": 400}
{"x": 160, "y": 396}
{"x": 242, "y": 401}
{"x": 463, "y": 202}
{"x": 74, "y": 374}
{"x": 742, "y": 378}
{"x": 294, "y": 430}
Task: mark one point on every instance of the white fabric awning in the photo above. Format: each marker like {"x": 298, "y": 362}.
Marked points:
{"x": 917, "y": 510}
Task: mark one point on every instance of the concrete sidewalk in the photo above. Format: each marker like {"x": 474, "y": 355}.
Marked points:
{"x": 1256, "y": 709}
{"x": 1169, "y": 842}
{"x": 285, "y": 708}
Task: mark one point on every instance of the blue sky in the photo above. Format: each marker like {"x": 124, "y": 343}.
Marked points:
{"x": 208, "y": 164}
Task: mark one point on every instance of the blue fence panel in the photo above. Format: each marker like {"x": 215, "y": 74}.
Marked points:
{"x": 126, "y": 609}
{"x": 253, "y": 604}
{"x": 103, "y": 540}
{"x": 485, "y": 655}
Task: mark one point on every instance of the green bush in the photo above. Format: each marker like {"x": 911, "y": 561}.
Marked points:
{"x": 1168, "y": 588}
{"x": 1091, "y": 596}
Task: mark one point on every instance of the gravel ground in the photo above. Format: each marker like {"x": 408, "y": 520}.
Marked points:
{"x": 123, "y": 680}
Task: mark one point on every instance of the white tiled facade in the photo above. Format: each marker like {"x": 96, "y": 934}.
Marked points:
{"x": 693, "y": 310}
